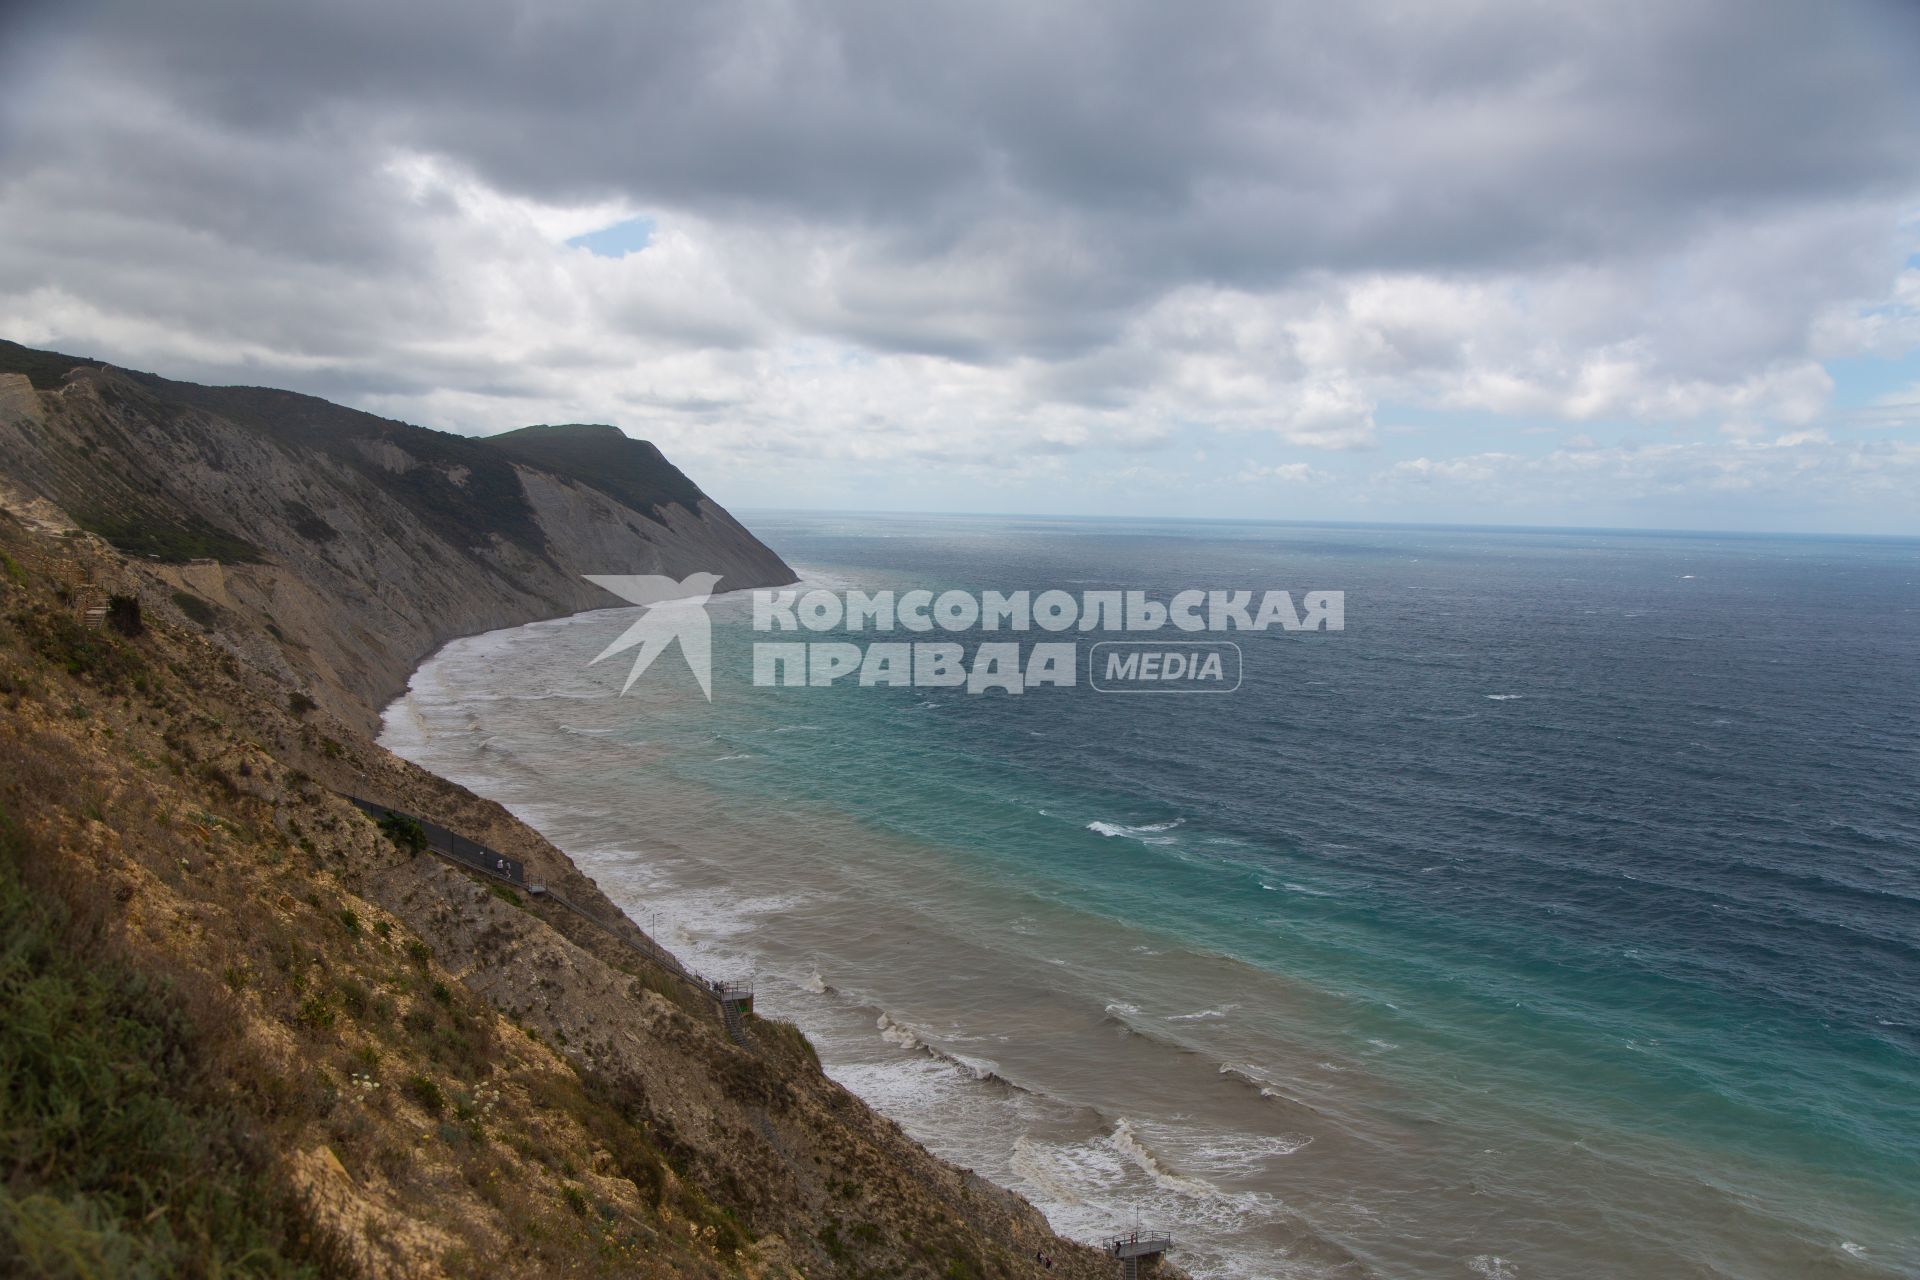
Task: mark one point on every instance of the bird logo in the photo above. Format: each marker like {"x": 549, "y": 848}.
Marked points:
{"x": 674, "y": 611}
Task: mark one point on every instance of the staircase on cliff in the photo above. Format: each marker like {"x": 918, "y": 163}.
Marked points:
{"x": 1132, "y": 1250}
{"x": 736, "y": 1002}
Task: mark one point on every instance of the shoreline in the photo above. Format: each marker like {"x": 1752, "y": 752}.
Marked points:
{"x": 605, "y": 830}
{"x": 629, "y": 873}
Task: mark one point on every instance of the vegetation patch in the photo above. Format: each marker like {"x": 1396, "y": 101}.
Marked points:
{"x": 307, "y": 523}
{"x": 46, "y": 370}
{"x": 117, "y": 1156}
{"x": 407, "y": 834}
{"x": 202, "y": 612}
{"x": 631, "y": 471}
{"x": 424, "y": 1091}
{"x": 83, "y": 652}
{"x": 787, "y": 1040}
{"x": 170, "y": 540}
{"x": 123, "y": 615}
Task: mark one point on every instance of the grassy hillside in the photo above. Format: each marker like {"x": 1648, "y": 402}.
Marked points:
{"x": 217, "y": 1057}
{"x": 246, "y": 1031}
{"x": 465, "y": 492}
{"x": 127, "y": 1154}
{"x": 630, "y": 471}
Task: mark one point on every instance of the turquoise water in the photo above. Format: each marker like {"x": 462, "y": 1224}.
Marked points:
{"x": 1561, "y": 916}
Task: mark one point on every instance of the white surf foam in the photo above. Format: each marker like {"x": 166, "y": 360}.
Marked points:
{"x": 1147, "y": 833}
{"x": 1043, "y": 1173}
{"x": 896, "y": 1034}
{"x": 1237, "y": 1155}
{"x": 1129, "y": 1144}
{"x": 1204, "y": 1015}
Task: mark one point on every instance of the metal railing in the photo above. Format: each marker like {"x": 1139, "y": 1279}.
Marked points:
{"x": 1136, "y": 1245}
{"x": 457, "y": 847}
{"x": 735, "y": 997}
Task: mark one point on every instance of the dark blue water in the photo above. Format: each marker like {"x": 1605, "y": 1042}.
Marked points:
{"x": 1592, "y": 862}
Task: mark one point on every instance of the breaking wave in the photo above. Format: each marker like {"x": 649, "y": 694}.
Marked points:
{"x": 896, "y": 1034}
{"x": 1146, "y": 833}
{"x": 1129, "y": 1144}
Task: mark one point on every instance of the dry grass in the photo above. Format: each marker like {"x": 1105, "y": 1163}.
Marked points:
{"x": 243, "y": 950}
{"x": 191, "y": 992}
{"x": 127, "y": 1152}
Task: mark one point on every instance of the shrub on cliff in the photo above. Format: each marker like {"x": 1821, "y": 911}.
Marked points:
{"x": 406, "y": 833}
{"x": 83, "y": 652}
{"x": 123, "y": 615}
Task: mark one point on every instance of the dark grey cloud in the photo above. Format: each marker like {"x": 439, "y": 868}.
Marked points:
{"x": 307, "y": 194}
{"x": 1238, "y": 142}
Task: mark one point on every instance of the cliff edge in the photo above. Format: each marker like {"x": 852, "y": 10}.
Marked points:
{"x": 345, "y": 547}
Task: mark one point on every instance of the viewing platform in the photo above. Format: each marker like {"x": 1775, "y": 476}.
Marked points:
{"x": 1133, "y": 1249}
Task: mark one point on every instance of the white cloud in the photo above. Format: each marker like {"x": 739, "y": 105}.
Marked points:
{"x": 1807, "y": 474}
{"x": 1286, "y": 472}
{"x": 972, "y": 234}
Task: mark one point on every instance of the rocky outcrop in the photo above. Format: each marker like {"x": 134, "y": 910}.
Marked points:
{"x": 351, "y": 546}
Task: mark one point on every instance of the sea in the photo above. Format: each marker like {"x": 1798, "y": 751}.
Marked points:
{"x": 1557, "y": 917}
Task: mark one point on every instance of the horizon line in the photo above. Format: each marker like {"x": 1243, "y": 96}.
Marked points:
{"x": 1454, "y": 526}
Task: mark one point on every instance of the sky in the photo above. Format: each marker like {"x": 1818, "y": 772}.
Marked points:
{"x": 1635, "y": 264}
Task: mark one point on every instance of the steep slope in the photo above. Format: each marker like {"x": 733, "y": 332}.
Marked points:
{"x": 361, "y": 1059}
{"x": 632, "y": 472}
{"x": 348, "y": 545}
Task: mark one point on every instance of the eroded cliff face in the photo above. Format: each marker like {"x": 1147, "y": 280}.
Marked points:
{"x": 399, "y": 1068}
{"x": 346, "y": 547}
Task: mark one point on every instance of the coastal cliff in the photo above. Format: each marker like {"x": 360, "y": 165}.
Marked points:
{"x": 343, "y": 547}
{"x": 247, "y": 1030}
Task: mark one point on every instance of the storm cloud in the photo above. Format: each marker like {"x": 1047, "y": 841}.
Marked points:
{"x": 978, "y": 230}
